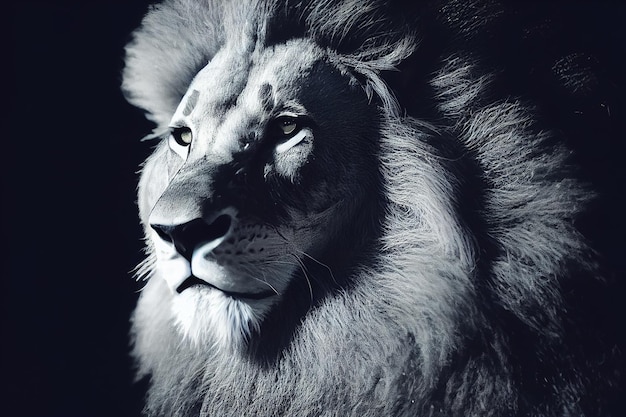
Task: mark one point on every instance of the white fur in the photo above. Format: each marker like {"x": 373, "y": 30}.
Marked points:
{"x": 285, "y": 146}
{"x": 211, "y": 320}
{"x": 397, "y": 340}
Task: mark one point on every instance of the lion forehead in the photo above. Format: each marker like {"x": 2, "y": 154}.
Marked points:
{"x": 253, "y": 83}
{"x": 237, "y": 91}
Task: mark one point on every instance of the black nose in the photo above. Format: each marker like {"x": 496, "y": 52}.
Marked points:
{"x": 187, "y": 236}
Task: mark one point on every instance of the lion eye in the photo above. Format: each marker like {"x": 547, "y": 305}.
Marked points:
{"x": 287, "y": 125}
{"x": 291, "y": 130}
{"x": 182, "y": 136}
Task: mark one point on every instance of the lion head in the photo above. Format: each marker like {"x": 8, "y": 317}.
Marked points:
{"x": 319, "y": 244}
{"x": 247, "y": 194}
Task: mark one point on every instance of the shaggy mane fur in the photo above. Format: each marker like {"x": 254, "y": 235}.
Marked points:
{"x": 468, "y": 303}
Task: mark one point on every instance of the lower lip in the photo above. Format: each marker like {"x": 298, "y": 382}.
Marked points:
{"x": 193, "y": 281}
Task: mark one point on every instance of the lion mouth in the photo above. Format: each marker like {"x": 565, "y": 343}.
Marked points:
{"x": 194, "y": 281}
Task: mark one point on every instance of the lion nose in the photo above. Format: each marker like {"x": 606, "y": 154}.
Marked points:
{"x": 187, "y": 236}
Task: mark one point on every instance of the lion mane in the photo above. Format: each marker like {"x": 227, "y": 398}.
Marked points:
{"x": 466, "y": 300}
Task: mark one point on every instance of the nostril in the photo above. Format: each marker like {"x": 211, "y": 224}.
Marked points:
{"x": 187, "y": 236}
{"x": 220, "y": 227}
{"x": 164, "y": 232}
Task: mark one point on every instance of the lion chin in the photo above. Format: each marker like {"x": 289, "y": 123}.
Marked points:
{"x": 363, "y": 208}
{"x": 208, "y": 318}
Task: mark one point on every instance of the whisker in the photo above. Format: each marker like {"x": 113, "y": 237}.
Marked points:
{"x": 306, "y": 277}
{"x": 275, "y": 261}
{"x": 264, "y": 281}
{"x": 330, "y": 271}
{"x": 273, "y": 227}
{"x": 144, "y": 269}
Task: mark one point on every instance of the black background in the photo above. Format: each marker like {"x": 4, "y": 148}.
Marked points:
{"x": 71, "y": 150}
{"x": 70, "y": 232}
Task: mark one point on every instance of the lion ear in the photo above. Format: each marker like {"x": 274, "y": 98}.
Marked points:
{"x": 370, "y": 65}
{"x": 369, "y": 37}
{"x": 176, "y": 39}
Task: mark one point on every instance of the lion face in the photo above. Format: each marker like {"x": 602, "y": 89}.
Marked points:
{"x": 236, "y": 199}
{"x": 363, "y": 208}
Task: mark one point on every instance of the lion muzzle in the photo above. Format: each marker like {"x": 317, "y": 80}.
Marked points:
{"x": 189, "y": 235}
{"x": 186, "y": 253}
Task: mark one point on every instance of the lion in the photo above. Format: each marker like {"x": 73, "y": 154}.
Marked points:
{"x": 353, "y": 209}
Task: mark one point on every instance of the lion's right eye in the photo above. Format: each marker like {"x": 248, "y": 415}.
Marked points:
{"x": 180, "y": 140}
{"x": 182, "y": 136}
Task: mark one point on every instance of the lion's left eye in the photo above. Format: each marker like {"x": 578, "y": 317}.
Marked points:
{"x": 289, "y": 131}
{"x": 287, "y": 125}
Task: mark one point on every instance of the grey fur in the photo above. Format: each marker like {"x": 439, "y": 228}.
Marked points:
{"x": 191, "y": 102}
{"x": 266, "y": 96}
{"x": 386, "y": 346}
